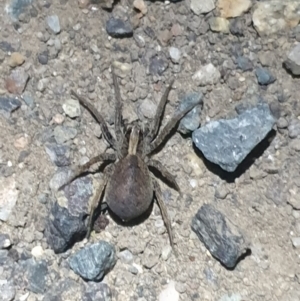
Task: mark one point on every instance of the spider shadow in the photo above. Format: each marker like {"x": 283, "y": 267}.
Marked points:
{"x": 230, "y": 177}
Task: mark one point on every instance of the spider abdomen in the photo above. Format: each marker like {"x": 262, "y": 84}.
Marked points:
{"x": 129, "y": 192}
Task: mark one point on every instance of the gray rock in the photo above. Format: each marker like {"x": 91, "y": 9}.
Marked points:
{"x": 17, "y": 81}
{"x": 228, "y": 142}
{"x": 118, "y": 28}
{"x": 220, "y": 236}
{"x": 67, "y": 222}
{"x": 191, "y": 121}
{"x": 36, "y": 274}
{"x": 59, "y": 178}
{"x": 8, "y": 197}
{"x": 59, "y": 154}
{"x": 8, "y": 105}
{"x": 264, "y": 76}
{"x": 6, "y": 47}
{"x": 28, "y": 100}
{"x": 244, "y": 63}
{"x": 16, "y": 7}
{"x": 202, "y": 7}
{"x": 293, "y": 60}
{"x": 93, "y": 261}
{"x": 175, "y": 54}
{"x": 294, "y": 128}
{"x": 53, "y": 23}
{"x": 237, "y": 27}
{"x": 7, "y": 290}
{"x": 43, "y": 57}
{"x": 97, "y": 291}
{"x": 207, "y": 75}
{"x": 63, "y": 134}
{"x": 126, "y": 256}
{"x": 71, "y": 107}
{"x": 4, "y": 241}
{"x": 63, "y": 229}
{"x": 158, "y": 64}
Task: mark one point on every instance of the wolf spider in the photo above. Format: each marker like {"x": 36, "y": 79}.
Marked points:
{"x": 129, "y": 186}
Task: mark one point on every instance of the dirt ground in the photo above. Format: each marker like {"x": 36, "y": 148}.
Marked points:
{"x": 80, "y": 57}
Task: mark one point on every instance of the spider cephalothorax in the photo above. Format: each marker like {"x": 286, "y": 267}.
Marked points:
{"x": 129, "y": 184}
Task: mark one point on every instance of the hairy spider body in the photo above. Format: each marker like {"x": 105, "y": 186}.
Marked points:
{"x": 129, "y": 192}
{"x": 129, "y": 185}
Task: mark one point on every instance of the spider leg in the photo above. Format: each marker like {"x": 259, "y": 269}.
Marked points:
{"x": 168, "y": 128}
{"x": 164, "y": 213}
{"x": 97, "y": 200}
{"x": 159, "y": 112}
{"x": 78, "y": 170}
{"x": 165, "y": 173}
{"x": 106, "y": 133}
{"x": 118, "y": 111}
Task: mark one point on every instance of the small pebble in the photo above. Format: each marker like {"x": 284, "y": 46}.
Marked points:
{"x": 118, "y": 28}
{"x": 72, "y": 108}
{"x": 166, "y": 252}
{"x": 296, "y": 242}
{"x": 264, "y": 76}
{"x": 37, "y": 251}
{"x": 175, "y": 54}
{"x": 4, "y": 241}
{"x": 53, "y": 23}
{"x": 141, "y": 6}
{"x": 16, "y": 59}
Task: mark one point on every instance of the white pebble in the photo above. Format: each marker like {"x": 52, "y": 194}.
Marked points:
{"x": 37, "y": 251}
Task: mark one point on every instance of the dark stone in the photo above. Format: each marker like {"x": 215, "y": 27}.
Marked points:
{"x": 158, "y": 64}
{"x": 8, "y": 105}
{"x": 191, "y": 121}
{"x": 228, "y": 142}
{"x": 64, "y": 229}
{"x": 264, "y": 76}
{"x": 43, "y": 57}
{"x": 59, "y": 154}
{"x": 97, "y": 291}
{"x": 118, "y": 28}
{"x": 94, "y": 260}
{"x": 219, "y": 236}
{"x": 7, "y": 47}
{"x": 244, "y": 63}
{"x": 237, "y": 27}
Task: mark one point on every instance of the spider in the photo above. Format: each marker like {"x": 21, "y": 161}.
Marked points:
{"x": 129, "y": 186}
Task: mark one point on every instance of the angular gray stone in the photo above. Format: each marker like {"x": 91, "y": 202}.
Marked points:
{"x": 228, "y": 142}
{"x": 264, "y": 76}
{"x": 118, "y": 28}
{"x": 36, "y": 273}
{"x": 67, "y": 222}
{"x": 53, "y": 23}
{"x": 8, "y": 105}
{"x": 93, "y": 261}
{"x": 191, "y": 121}
{"x": 219, "y": 235}
{"x": 59, "y": 154}
{"x": 293, "y": 60}
{"x": 64, "y": 133}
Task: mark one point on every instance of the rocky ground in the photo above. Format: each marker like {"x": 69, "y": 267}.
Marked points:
{"x": 237, "y": 226}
